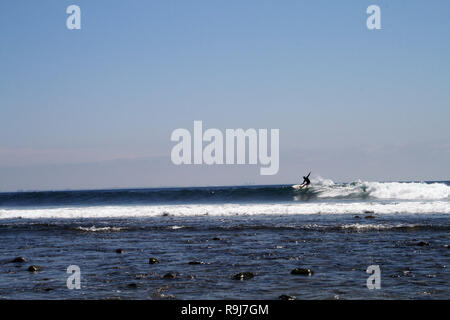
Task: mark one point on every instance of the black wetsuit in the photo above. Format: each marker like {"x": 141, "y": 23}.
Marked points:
{"x": 306, "y": 180}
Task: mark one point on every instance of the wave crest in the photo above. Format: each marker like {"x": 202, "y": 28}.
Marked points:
{"x": 320, "y": 189}
{"x": 406, "y": 207}
{"x": 384, "y": 190}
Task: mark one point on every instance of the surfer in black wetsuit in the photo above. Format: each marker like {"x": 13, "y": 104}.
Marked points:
{"x": 306, "y": 181}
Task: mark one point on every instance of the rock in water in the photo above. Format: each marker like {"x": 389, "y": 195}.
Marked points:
{"x": 243, "y": 276}
{"x": 153, "y": 261}
{"x": 19, "y": 259}
{"x": 407, "y": 273}
{"x": 302, "y": 271}
{"x": 34, "y": 268}
{"x": 196, "y": 262}
{"x": 169, "y": 275}
{"x": 286, "y": 297}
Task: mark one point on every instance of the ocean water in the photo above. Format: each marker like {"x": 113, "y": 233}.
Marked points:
{"x": 336, "y": 230}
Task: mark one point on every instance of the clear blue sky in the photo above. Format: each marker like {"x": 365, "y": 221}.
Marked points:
{"x": 95, "y": 107}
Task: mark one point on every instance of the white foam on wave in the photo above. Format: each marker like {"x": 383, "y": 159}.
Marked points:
{"x": 379, "y": 227}
{"x": 176, "y": 227}
{"x": 99, "y": 229}
{"x": 326, "y": 188}
{"x": 408, "y": 190}
{"x": 406, "y": 207}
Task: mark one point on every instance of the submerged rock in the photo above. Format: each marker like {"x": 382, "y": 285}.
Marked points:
{"x": 196, "y": 262}
{"x": 302, "y": 271}
{"x": 407, "y": 273}
{"x": 46, "y": 289}
{"x": 159, "y": 295}
{"x": 34, "y": 268}
{"x": 243, "y": 276}
{"x": 19, "y": 259}
{"x": 170, "y": 275}
{"x": 286, "y": 297}
{"x": 153, "y": 261}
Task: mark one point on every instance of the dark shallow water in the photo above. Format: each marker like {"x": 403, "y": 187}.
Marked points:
{"x": 338, "y": 248}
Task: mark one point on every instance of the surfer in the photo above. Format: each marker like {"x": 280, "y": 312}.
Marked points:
{"x": 306, "y": 181}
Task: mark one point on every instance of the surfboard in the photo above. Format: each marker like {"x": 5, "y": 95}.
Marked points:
{"x": 299, "y": 186}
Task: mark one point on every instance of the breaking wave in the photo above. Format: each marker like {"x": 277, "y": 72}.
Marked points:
{"x": 384, "y": 190}
{"x": 322, "y": 197}
{"x": 406, "y": 207}
{"x": 320, "y": 189}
